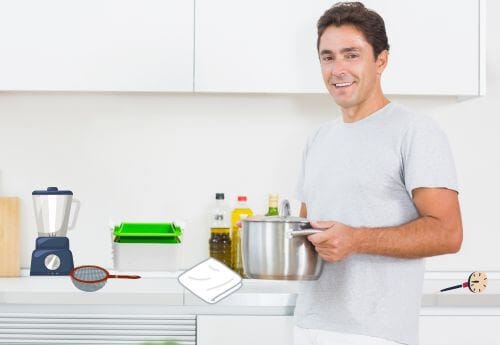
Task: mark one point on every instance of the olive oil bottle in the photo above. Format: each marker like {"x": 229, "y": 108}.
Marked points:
{"x": 220, "y": 240}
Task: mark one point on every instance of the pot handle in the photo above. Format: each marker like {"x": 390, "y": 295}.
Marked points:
{"x": 285, "y": 208}
{"x": 306, "y": 230}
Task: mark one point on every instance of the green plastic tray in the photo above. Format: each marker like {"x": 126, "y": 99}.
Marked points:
{"x": 147, "y": 230}
{"x": 150, "y": 239}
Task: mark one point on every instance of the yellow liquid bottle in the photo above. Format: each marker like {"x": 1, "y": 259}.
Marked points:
{"x": 241, "y": 211}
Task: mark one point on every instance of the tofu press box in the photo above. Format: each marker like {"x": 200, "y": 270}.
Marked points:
{"x": 147, "y": 247}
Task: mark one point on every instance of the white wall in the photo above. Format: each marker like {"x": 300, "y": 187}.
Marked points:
{"x": 163, "y": 156}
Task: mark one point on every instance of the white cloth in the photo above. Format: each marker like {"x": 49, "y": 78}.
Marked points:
{"x": 210, "y": 280}
{"x": 309, "y": 336}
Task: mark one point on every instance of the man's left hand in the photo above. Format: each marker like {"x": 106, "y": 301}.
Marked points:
{"x": 334, "y": 243}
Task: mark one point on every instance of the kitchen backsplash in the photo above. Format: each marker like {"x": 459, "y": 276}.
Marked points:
{"x": 147, "y": 157}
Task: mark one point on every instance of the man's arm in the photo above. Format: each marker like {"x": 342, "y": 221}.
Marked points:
{"x": 437, "y": 231}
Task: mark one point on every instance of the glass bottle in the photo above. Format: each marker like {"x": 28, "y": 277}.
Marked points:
{"x": 272, "y": 209}
{"x": 220, "y": 241}
{"x": 241, "y": 211}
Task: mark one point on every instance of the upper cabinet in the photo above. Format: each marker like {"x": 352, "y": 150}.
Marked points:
{"x": 270, "y": 46}
{"x": 437, "y": 47}
{"x": 96, "y": 45}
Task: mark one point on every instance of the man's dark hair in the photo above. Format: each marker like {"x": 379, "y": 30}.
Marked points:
{"x": 369, "y": 22}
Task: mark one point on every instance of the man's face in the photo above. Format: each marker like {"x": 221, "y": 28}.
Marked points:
{"x": 350, "y": 71}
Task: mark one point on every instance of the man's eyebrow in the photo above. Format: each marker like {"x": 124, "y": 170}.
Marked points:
{"x": 342, "y": 51}
{"x": 349, "y": 50}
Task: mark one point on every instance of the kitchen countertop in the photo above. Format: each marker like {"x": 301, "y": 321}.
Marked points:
{"x": 164, "y": 294}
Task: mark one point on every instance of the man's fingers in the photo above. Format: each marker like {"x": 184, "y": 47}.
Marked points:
{"x": 322, "y": 224}
{"x": 320, "y": 237}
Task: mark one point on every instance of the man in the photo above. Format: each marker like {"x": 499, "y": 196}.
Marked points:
{"x": 381, "y": 182}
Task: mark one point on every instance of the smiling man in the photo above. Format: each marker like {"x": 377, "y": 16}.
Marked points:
{"x": 381, "y": 181}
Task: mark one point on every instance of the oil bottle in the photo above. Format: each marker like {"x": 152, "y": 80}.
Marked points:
{"x": 220, "y": 240}
{"x": 273, "y": 205}
{"x": 241, "y": 211}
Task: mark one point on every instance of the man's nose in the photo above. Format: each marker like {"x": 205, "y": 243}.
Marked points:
{"x": 338, "y": 69}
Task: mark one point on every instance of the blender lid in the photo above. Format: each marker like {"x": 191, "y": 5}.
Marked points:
{"x": 52, "y": 191}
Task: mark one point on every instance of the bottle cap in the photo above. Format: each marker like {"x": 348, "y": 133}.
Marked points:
{"x": 242, "y": 198}
{"x": 273, "y": 200}
{"x": 219, "y": 196}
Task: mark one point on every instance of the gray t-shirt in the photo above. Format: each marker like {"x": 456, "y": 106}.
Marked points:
{"x": 362, "y": 174}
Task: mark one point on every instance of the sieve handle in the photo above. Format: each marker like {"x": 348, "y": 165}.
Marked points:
{"x": 122, "y": 276}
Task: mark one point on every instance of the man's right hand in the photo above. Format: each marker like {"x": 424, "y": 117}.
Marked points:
{"x": 336, "y": 242}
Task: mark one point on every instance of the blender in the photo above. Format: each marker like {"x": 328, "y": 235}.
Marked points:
{"x": 52, "y": 210}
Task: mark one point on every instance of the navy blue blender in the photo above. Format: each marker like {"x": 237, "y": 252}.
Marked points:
{"x": 52, "y": 210}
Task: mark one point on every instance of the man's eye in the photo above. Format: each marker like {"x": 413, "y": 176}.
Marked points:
{"x": 352, "y": 56}
{"x": 326, "y": 59}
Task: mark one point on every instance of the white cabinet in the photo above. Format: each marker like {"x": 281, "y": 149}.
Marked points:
{"x": 98, "y": 45}
{"x": 270, "y": 46}
{"x": 232, "y": 46}
{"x": 257, "y": 46}
{"x": 244, "y": 330}
{"x": 278, "y": 330}
{"x": 459, "y": 330}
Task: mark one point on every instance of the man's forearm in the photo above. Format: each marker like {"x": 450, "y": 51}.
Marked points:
{"x": 423, "y": 237}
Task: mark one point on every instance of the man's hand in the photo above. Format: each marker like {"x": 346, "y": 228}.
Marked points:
{"x": 334, "y": 243}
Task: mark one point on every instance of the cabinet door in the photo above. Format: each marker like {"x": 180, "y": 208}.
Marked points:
{"x": 270, "y": 46}
{"x": 459, "y": 330}
{"x": 244, "y": 330}
{"x": 434, "y": 46}
{"x": 96, "y": 45}
{"x": 257, "y": 46}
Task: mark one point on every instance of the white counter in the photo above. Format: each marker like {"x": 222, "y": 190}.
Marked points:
{"x": 51, "y": 310}
{"x": 256, "y": 297}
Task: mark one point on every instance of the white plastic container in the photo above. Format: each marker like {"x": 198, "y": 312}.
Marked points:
{"x": 147, "y": 256}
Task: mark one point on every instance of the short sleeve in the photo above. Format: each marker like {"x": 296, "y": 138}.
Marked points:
{"x": 427, "y": 157}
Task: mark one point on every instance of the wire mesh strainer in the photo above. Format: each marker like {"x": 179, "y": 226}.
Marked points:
{"x": 92, "y": 278}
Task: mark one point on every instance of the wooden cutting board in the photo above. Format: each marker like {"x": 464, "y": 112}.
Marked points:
{"x": 9, "y": 237}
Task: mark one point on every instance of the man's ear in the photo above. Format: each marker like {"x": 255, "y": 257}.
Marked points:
{"x": 382, "y": 60}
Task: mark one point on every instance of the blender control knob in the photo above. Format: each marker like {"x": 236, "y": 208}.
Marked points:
{"x": 52, "y": 262}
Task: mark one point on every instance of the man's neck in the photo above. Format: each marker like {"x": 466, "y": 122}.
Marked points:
{"x": 364, "y": 109}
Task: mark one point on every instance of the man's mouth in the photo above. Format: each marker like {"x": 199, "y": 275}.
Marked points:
{"x": 340, "y": 85}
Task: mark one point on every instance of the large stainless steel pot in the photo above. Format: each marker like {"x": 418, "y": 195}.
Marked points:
{"x": 277, "y": 248}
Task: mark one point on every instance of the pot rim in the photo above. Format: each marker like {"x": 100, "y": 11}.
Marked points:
{"x": 275, "y": 219}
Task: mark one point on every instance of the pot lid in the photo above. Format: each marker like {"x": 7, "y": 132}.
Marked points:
{"x": 277, "y": 219}
{"x": 52, "y": 191}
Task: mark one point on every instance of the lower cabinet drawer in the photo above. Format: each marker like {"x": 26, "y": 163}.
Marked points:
{"x": 85, "y": 329}
{"x": 459, "y": 330}
{"x": 244, "y": 330}
{"x": 278, "y": 330}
